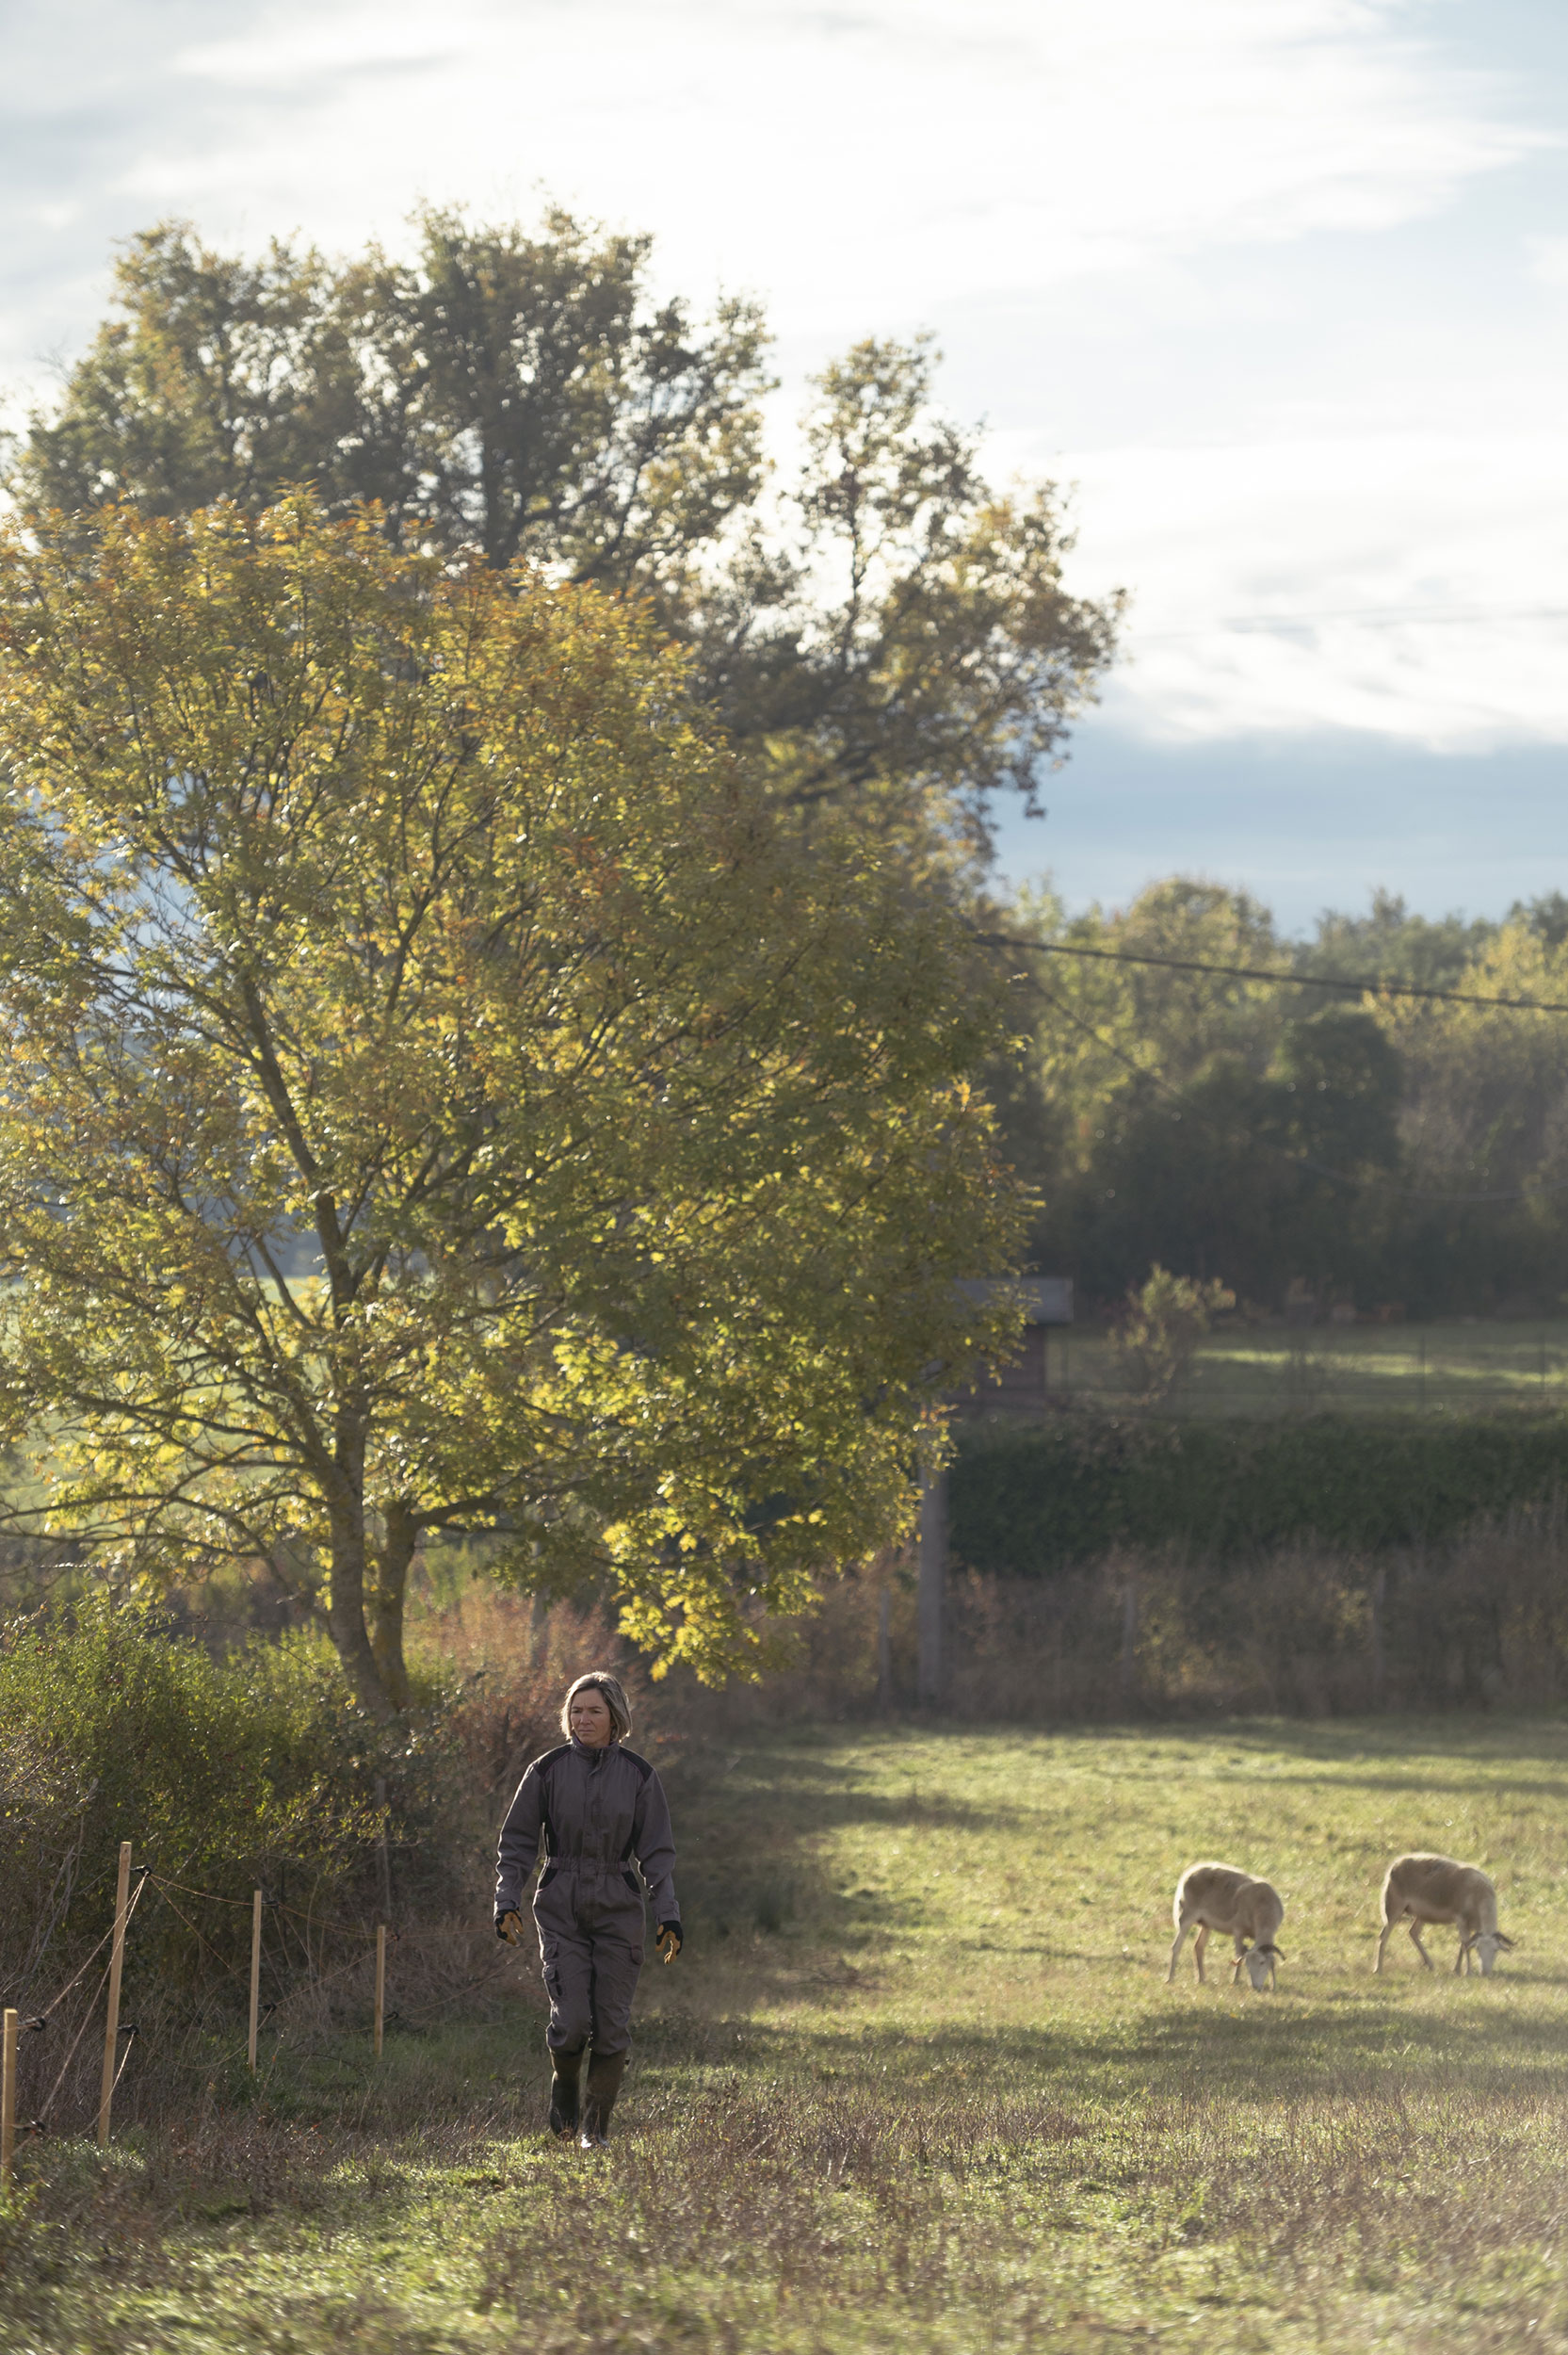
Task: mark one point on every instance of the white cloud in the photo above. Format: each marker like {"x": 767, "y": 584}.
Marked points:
{"x": 1414, "y": 587}
{"x": 869, "y": 164}
{"x": 1548, "y": 260}
{"x": 852, "y": 161}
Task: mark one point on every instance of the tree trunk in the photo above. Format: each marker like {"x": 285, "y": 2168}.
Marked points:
{"x": 347, "y": 1628}
{"x": 388, "y": 1600}
{"x": 931, "y": 1588}
{"x": 345, "y": 1614}
{"x": 884, "y": 1649}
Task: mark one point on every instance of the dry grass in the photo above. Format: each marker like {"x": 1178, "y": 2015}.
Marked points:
{"x": 1299, "y": 1630}
{"x": 756, "y": 2214}
{"x": 919, "y": 2083}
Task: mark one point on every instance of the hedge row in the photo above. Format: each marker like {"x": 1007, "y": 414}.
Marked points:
{"x": 1025, "y": 1504}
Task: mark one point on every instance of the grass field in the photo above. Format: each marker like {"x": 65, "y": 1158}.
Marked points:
{"x": 1280, "y": 1369}
{"x": 918, "y": 2084}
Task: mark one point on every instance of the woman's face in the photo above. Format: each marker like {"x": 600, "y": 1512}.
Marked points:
{"x": 590, "y": 1719}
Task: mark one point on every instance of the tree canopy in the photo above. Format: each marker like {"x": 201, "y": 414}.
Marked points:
{"x": 878, "y": 628}
{"x": 1376, "y": 1151}
{"x": 442, "y": 1094}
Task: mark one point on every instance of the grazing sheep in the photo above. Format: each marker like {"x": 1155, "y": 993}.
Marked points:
{"x": 1218, "y": 1897}
{"x": 1435, "y": 1889}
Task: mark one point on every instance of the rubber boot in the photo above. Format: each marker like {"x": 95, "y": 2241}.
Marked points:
{"x": 605, "y": 2072}
{"x": 565, "y": 2070}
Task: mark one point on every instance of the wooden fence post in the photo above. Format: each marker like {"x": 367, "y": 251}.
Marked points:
{"x": 885, "y": 1650}
{"x": 1129, "y": 1640}
{"x": 380, "y": 1984}
{"x": 117, "y": 1964}
{"x": 255, "y": 1976}
{"x": 7, "y": 2096}
{"x": 1380, "y": 1655}
{"x": 383, "y": 1853}
{"x": 931, "y": 1590}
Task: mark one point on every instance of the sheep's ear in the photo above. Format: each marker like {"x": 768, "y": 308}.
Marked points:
{"x": 1278, "y": 1953}
{"x": 1504, "y": 1941}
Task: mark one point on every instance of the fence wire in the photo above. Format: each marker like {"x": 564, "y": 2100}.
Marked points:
{"x": 163, "y": 1884}
{"x": 40, "y": 2019}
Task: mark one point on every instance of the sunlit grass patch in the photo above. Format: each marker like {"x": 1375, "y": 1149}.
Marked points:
{"x": 1454, "y": 1362}
{"x": 919, "y": 2083}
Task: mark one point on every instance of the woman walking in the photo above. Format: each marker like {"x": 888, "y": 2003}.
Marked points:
{"x": 596, "y": 1808}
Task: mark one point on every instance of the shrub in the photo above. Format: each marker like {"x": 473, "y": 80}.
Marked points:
{"x": 515, "y": 1657}
{"x": 1300, "y": 1630}
{"x": 1032, "y": 1502}
{"x": 1156, "y": 1337}
{"x": 224, "y": 1774}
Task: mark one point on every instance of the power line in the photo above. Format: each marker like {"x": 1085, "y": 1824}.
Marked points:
{"x": 1375, "y": 988}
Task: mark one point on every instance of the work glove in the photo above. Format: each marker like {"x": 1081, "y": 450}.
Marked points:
{"x": 509, "y": 1927}
{"x": 668, "y": 1939}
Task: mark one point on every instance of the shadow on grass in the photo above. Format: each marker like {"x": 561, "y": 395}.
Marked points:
{"x": 1289, "y": 2048}
{"x": 1351, "y": 1741}
{"x": 1263, "y": 2051}
{"x": 761, "y": 1892}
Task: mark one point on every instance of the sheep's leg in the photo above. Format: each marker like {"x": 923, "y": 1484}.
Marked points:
{"x": 1197, "y": 1945}
{"x": 1462, "y": 1960}
{"x": 1182, "y": 1928}
{"x": 1415, "y": 1942}
{"x": 1240, "y": 1957}
{"x": 1383, "y": 1942}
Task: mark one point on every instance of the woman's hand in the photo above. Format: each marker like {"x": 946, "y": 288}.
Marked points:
{"x": 509, "y": 1927}
{"x": 668, "y": 1939}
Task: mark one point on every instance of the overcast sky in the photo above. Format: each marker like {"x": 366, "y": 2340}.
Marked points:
{"x": 1280, "y": 284}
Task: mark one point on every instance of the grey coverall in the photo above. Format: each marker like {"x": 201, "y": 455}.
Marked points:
{"x": 596, "y": 1813}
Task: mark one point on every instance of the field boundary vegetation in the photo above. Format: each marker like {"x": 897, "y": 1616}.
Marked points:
{"x": 1031, "y": 1503}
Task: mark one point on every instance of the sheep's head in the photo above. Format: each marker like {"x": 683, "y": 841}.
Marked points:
{"x": 1260, "y": 1961}
{"x": 1488, "y": 1944}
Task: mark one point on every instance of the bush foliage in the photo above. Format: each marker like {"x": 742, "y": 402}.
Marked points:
{"x": 1296, "y": 1631}
{"x": 248, "y": 1767}
{"x": 1028, "y": 1503}
{"x": 1161, "y": 1321}
{"x": 224, "y": 1774}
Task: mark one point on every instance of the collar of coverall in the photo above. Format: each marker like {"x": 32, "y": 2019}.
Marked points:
{"x": 600, "y": 1749}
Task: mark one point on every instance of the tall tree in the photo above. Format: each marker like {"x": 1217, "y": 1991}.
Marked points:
{"x": 903, "y": 641}
{"x": 442, "y": 1093}
{"x": 1485, "y": 1125}
{"x": 514, "y": 395}
{"x": 1392, "y": 942}
{"x": 879, "y": 630}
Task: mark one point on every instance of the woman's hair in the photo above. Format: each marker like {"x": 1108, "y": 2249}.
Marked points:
{"x": 600, "y": 1681}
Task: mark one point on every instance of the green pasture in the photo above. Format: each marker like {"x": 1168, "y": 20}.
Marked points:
{"x": 1281, "y": 1370}
{"x": 919, "y": 2083}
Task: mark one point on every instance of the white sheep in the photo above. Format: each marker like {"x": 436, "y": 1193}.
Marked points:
{"x": 1220, "y": 1897}
{"x": 1435, "y": 1889}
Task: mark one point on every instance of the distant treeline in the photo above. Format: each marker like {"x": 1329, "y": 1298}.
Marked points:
{"x": 1388, "y": 1154}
